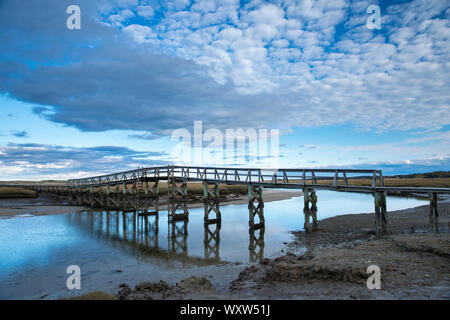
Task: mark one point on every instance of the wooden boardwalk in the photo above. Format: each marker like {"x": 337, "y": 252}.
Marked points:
{"x": 140, "y": 189}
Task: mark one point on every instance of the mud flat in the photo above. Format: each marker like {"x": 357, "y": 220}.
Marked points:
{"x": 414, "y": 263}
{"x": 45, "y": 204}
{"x": 27, "y": 211}
{"x": 332, "y": 262}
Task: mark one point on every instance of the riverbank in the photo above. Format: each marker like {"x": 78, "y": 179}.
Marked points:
{"x": 332, "y": 264}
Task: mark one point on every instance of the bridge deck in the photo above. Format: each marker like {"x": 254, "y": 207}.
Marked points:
{"x": 330, "y": 179}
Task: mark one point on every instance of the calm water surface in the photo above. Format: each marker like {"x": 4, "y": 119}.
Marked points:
{"x": 35, "y": 251}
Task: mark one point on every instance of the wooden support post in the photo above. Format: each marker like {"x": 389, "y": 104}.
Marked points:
{"x": 211, "y": 203}
{"x": 216, "y": 191}
{"x": 156, "y": 188}
{"x": 91, "y": 196}
{"x": 208, "y": 194}
{"x": 185, "y": 190}
{"x": 205, "y": 191}
{"x": 434, "y": 214}
{"x": 174, "y": 207}
{"x": 146, "y": 188}
{"x": 178, "y": 192}
{"x": 310, "y": 209}
{"x": 255, "y": 194}
{"x": 380, "y": 212}
{"x": 212, "y": 206}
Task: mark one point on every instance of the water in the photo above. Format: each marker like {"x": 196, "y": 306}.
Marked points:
{"x": 35, "y": 251}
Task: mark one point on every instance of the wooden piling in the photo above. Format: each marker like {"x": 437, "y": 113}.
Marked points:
{"x": 255, "y": 194}
{"x": 310, "y": 209}
{"x": 434, "y": 214}
{"x": 380, "y": 212}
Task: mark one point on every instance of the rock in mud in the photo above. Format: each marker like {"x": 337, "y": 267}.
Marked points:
{"x": 154, "y": 287}
{"x": 124, "y": 292}
{"x": 186, "y": 288}
{"x": 194, "y": 284}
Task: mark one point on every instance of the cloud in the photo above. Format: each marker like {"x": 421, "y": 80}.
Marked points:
{"x": 406, "y": 166}
{"x": 145, "y": 11}
{"x": 312, "y": 63}
{"x": 144, "y": 136}
{"x": 307, "y": 146}
{"x": 40, "y": 160}
{"x": 20, "y": 134}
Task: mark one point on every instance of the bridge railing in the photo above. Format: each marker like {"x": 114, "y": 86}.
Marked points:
{"x": 121, "y": 177}
{"x": 289, "y": 178}
{"x": 276, "y": 176}
{"x": 332, "y": 177}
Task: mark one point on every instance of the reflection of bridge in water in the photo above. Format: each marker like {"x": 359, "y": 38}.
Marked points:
{"x": 141, "y": 230}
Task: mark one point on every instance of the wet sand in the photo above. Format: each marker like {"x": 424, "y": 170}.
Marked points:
{"x": 29, "y": 211}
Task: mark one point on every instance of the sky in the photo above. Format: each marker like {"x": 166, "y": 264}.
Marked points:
{"x": 112, "y": 95}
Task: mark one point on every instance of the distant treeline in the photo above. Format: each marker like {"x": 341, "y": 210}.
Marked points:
{"x": 435, "y": 174}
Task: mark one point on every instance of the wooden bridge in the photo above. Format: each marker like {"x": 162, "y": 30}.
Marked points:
{"x": 139, "y": 189}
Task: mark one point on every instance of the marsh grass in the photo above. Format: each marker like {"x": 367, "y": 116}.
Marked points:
{"x": 16, "y": 192}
